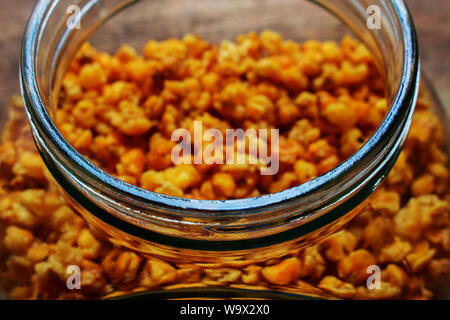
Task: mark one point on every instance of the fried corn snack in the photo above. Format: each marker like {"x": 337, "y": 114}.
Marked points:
{"x": 120, "y": 112}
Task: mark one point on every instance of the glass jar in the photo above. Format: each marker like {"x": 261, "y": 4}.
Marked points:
{"x": 230, "y": 232}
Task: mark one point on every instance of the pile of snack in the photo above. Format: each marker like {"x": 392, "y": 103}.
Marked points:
{"x": 120, "y": 112}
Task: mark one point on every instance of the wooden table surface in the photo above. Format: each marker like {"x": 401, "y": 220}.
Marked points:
{"x": 432, "y": 20}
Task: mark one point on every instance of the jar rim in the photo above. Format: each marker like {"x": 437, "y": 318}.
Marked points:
{"x": 46, "y": 134}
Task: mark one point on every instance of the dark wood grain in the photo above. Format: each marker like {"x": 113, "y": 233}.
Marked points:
{"x": 432, "y": 19}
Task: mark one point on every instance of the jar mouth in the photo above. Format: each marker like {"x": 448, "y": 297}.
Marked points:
{"x": 356, "y": 170}
{"x": 213, "y": 293}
